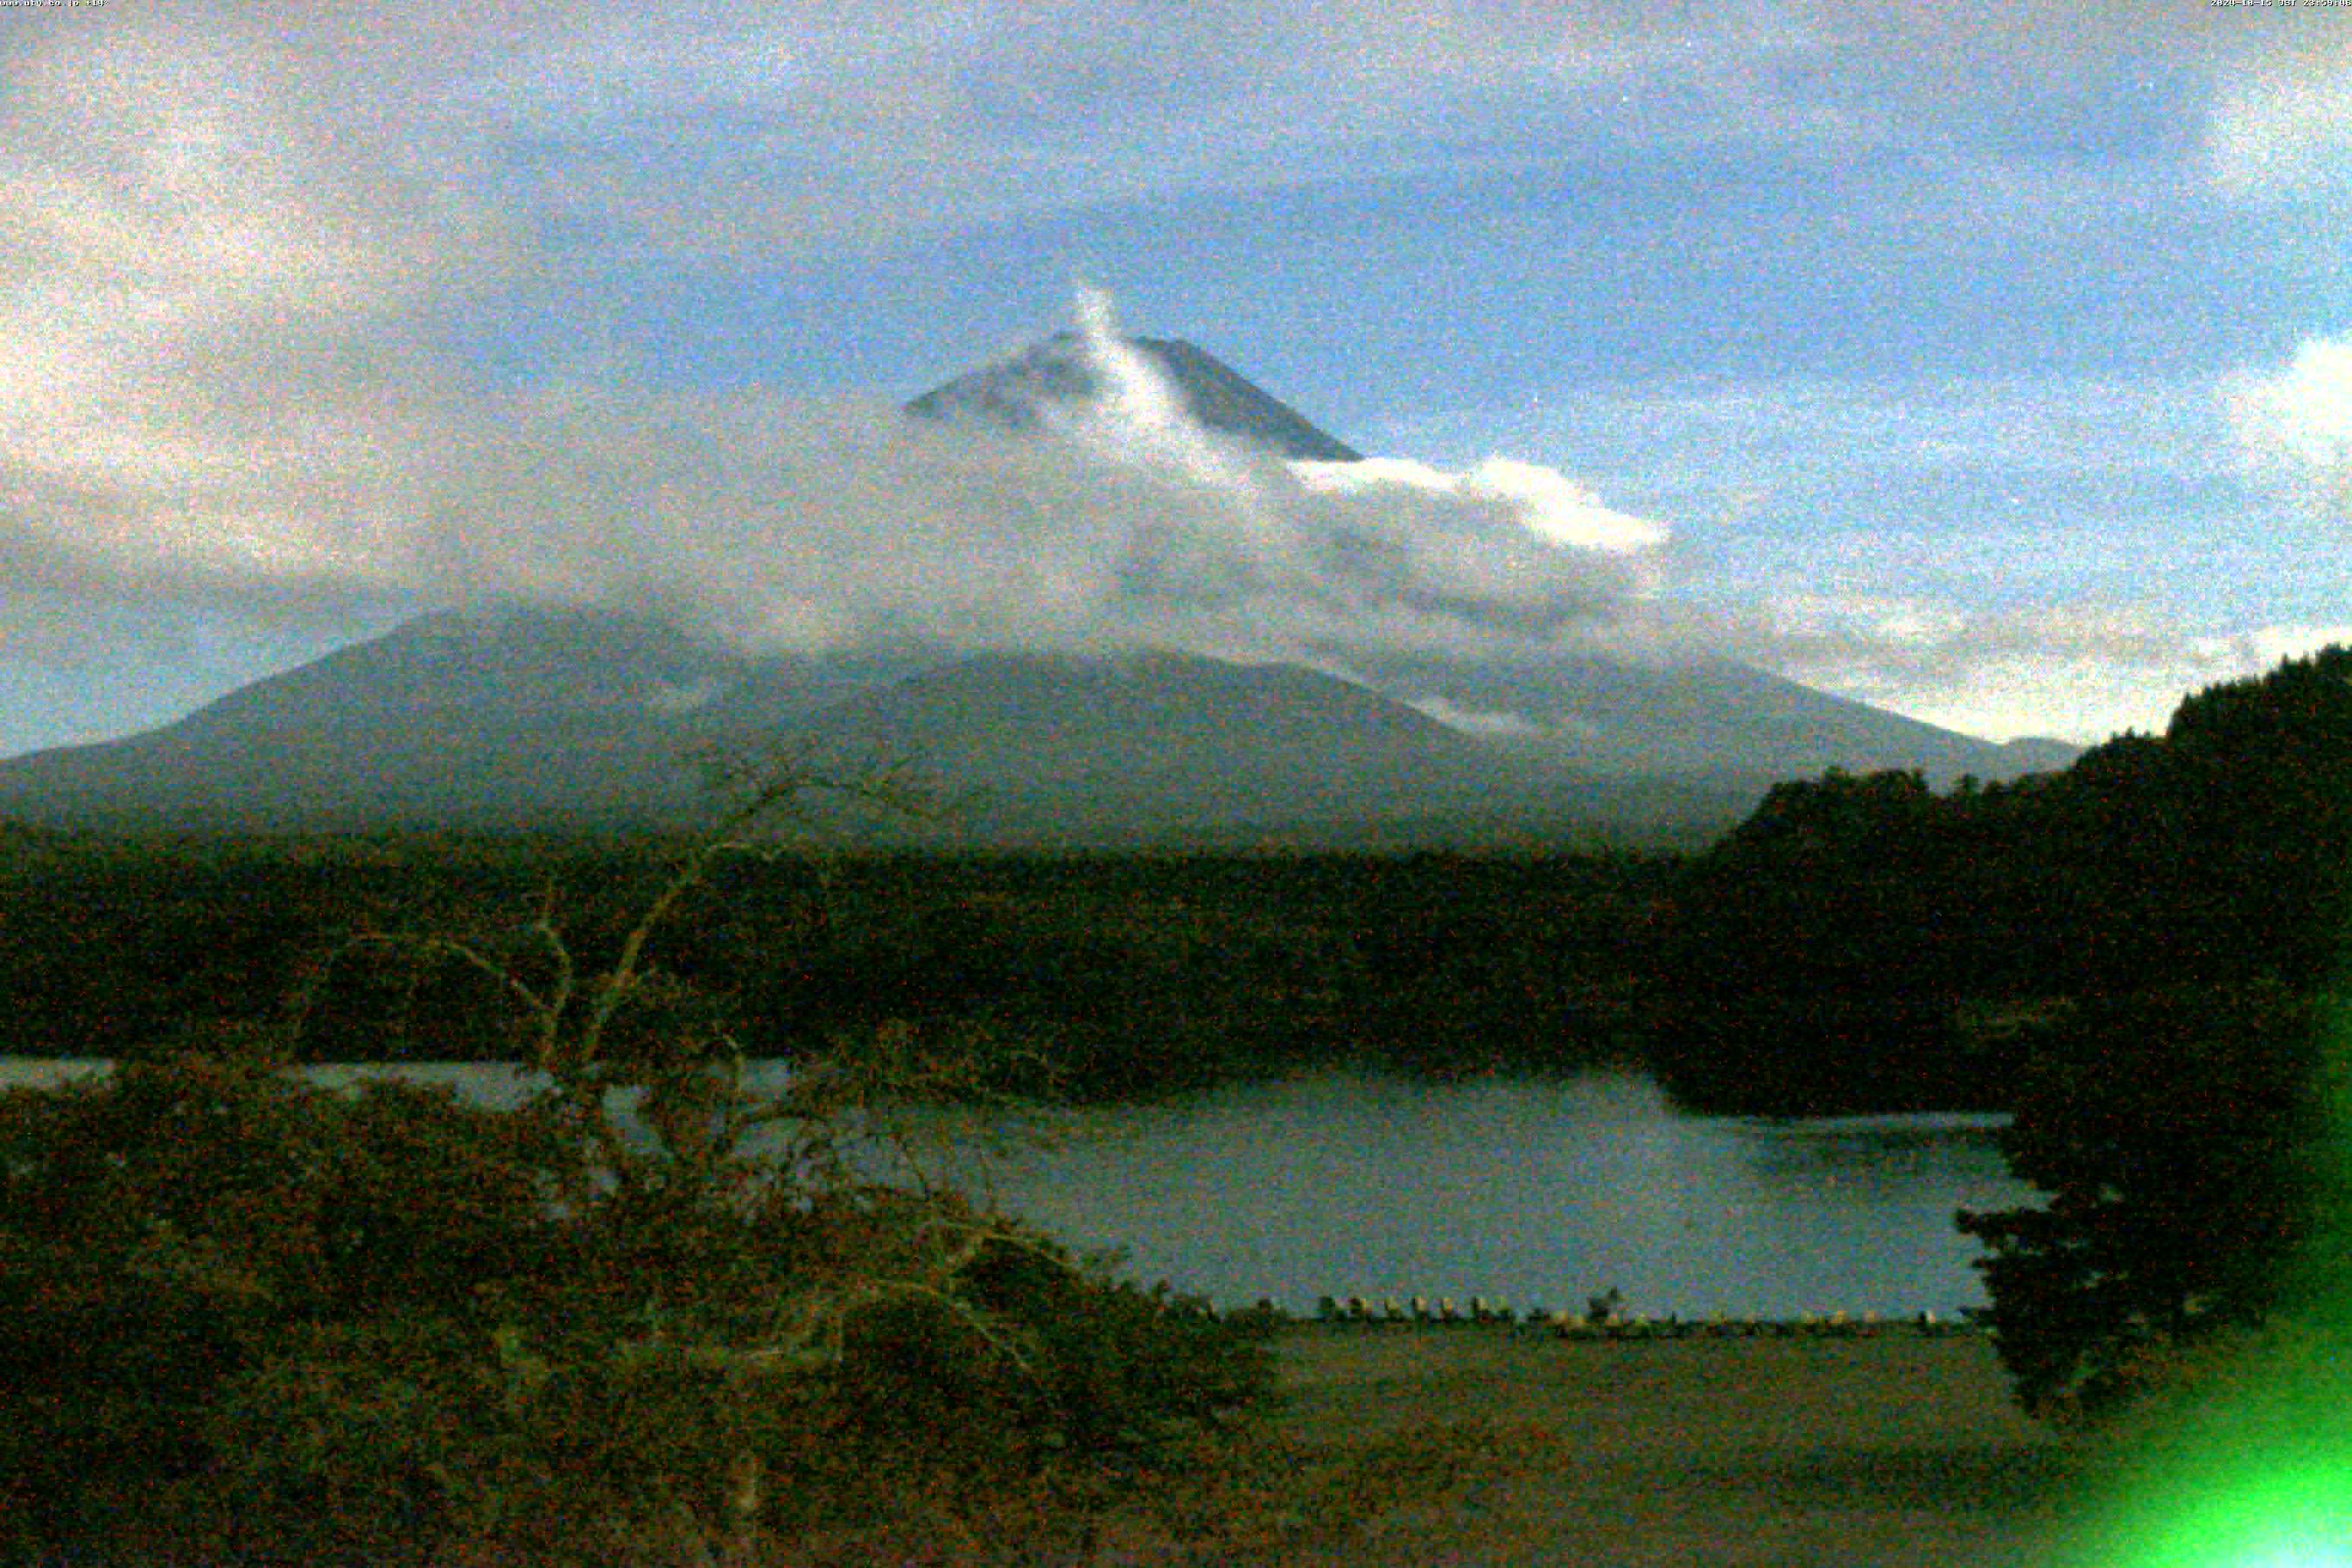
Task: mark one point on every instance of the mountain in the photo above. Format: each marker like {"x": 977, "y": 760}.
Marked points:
{"x": 537, "y": 718}
{"x": 451, "y": 719}
{"x": 584, "y": 718}
{"x": 1015, "y": 394}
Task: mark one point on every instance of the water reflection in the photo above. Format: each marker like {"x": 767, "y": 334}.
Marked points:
{"x": 1537, "y": 1190}
{"x": 1543, "y": 1191}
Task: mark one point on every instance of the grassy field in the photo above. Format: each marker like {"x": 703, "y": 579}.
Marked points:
{"x": 1423, "y": 1446}
{"x": 1480, "y": 1446}
{"x": 1415, "y": 1448}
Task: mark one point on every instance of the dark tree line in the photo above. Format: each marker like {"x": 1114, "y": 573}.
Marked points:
{"x": 1099, "y": 975}
{"x": 1863, "y": 943}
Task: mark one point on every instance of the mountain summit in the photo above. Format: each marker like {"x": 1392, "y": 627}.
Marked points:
{"x": 1014, "y": 394}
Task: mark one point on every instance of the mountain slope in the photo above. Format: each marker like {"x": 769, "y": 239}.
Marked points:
{"x": 583, "y": 718}
{"x": 1152, "y": 745}
{"x": 460, "y": 721}
{"x": 1702, "y": 716}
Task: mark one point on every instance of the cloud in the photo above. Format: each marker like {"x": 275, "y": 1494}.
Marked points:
{"x": 809, "y": 131}
{"x": 2293, "y": 426}
{"x": 1491, "y": 722}
{"x": 292, "y": 482}
{"x": 1549, "y": 503}
{"x": 590, "y": 130}
{"x": 215, "y": 267}
{"x": 2080, "y": 672}
{"x": 232, "y": 252}
{"x": 1889, "y": 637}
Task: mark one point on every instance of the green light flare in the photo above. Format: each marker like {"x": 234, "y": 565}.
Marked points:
{"x": 2251, "y": 1520}
{"x": 2279, "y": 1501}
{"x": 2294, "y": 1556}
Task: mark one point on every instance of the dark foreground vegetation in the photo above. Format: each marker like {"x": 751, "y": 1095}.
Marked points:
{"x": 251, "y": 1322}
{"x": 651, "y": 1314}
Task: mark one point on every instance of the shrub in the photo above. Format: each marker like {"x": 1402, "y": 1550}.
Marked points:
{"x": 394, "y": 1317}
{"x": 163, "y": 1230}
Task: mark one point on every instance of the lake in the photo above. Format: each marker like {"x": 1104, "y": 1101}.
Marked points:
{"x": 1537, "y": 1190}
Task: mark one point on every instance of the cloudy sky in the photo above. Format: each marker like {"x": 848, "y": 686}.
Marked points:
{"x": 1990, "y": 364}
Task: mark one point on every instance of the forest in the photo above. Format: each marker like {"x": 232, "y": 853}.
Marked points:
{"x": 1859, "y": 943}
{"x": 1863, "y": 942}
{"x": 1086, "y": 976}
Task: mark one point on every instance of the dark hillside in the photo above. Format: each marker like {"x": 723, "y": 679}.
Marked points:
{"x": 1863, "y": 943}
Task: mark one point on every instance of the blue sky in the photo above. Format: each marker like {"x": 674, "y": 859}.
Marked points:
{"x": 1993, "y": 368}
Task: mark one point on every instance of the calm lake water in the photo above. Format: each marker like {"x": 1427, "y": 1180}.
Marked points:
{"x": 1542, "y": 1190}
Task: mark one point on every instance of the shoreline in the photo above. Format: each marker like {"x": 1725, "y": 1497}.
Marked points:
{"x": 1490, "y": 1313}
